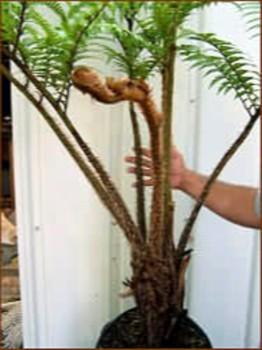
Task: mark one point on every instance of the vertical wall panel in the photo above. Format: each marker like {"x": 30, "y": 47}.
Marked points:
{"x": 63, "y": 232}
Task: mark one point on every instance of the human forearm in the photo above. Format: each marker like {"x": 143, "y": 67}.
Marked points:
{"x": 232, "y": 202}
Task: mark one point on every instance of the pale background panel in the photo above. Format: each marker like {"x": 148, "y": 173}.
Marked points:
{"x": 63, "y": 232}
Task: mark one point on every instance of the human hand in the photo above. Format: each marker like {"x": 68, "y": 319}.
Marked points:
{"x": 178, "y": 169}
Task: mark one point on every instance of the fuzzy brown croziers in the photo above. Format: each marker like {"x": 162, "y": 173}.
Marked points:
{"x": 113, "y": 90}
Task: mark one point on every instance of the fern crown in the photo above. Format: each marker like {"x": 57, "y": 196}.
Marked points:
{"x": 134, "y": 36}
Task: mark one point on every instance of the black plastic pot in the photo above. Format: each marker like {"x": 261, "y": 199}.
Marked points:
{"x": 128, "y": 331}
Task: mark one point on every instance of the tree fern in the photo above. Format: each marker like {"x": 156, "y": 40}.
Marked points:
{"x": 226, "y": 65}
{"x": 142, "y": 39}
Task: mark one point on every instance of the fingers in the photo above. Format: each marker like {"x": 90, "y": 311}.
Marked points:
{"x": 146, "y": 167}
{"x": 148, "y": 182}
{"x": 146, "y": 152}
{"x": 175, "y": 153}
{"x": 145, "y": 162}
{"x": 145, "y": 172}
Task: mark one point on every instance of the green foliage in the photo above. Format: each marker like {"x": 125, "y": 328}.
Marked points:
{"x": 129, "y": 57}
{"x": 10, "y": 20}
{"x": 122, "y": 42}
{"x": 54, "y": 37}
{"x": 226, "y": 65}
{"x": 251, "y": 13}
{"x": 162, "y": 24}
{"x": 135, "y": 36}
{"x": 139, "y": 34}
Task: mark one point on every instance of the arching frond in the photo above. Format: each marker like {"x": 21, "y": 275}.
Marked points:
{"x": 57, "y": 8}
{"x": 10, "y": 20}
{"x": 250, "y": 11}
{"x": 54, "y": 37}
{"x": 129, "y": 56}
{"x": 226, "y": 65}
{"x": 157, "y": 27}
{"x": 144, "y": 48}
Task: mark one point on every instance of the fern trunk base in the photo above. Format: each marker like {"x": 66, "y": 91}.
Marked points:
{"x": 128, "y": 330}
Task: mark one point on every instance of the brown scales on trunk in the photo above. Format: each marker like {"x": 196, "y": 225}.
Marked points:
{"x": 154, "y": 278}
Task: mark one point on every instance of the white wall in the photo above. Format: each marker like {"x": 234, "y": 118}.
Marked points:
{"x": 73, "y": 258}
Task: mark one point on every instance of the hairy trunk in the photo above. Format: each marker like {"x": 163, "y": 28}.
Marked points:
{"x": 140, "y": 191}
{"x": 168, "y": 81}
{"x": 168, "y": 243}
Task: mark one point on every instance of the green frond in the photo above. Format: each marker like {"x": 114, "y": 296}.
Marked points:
{"x": 226, "y": 65}
{"x": 56, "y": 7}
{"x": 157, "y": 28}
{"x": 134, "y": 36}
{"x": 120, "y": 31}
{"x": 14, "y": 16}
{"x": 55, "y": 36}
{"x": 250, "y": 11}
{"x": 151, "y": 34}
{"x": 39, "y": 20}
